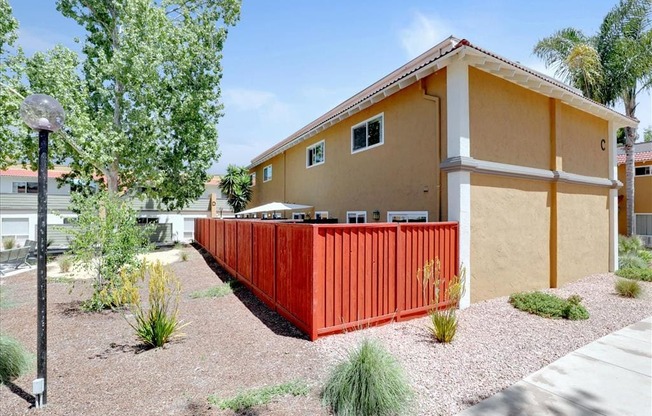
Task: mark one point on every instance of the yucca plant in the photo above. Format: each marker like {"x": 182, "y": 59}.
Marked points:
{"x": 369, "y": 382}
{"x": 14, "y": 359}
{"x": 628, "y": 288}
{"x": 160, "y": 322}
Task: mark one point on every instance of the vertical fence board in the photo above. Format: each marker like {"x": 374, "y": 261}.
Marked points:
{"x": 263, "y": 258}
{"x": 219, "y": 235}
{"x": 245, "y": 250}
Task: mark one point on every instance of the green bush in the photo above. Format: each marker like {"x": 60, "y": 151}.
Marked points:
{"x": 632, "y": 253}
{"x": 635, "y": 274}
{"x": 549, "y": 306}
{"x": 628, "y": 288}
{"x": 8, "y": 243}
{"x": 14, "y": 359}
{"x": 369, "y": 382}
{"x": 65, "y": 264}
{"x": 631, "y": 261}
{"x": 444, "y": 324}
{"x": 158, "y": 324}
{"x": 257, "y": 397}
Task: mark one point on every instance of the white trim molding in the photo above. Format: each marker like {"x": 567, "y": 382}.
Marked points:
{"x": 459, "y": 209}
{"x": 613, "y": 197}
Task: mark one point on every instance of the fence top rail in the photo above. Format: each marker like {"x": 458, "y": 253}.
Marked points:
{"x": 342, "y": 225}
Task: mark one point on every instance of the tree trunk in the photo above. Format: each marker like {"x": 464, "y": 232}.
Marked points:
{"x": 630, "y": 138}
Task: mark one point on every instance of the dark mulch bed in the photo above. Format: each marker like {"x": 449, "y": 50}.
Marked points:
{"x": 97, "y": 366}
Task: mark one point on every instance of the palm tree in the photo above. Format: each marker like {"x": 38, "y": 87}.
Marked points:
{"x": 614, "y": 65}
{"x": 236, "y": 185}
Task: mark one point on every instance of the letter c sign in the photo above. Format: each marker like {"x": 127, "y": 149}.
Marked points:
{"x": 603, "y": 144}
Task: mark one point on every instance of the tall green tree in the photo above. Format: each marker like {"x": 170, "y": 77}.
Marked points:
{"x": 142, "y": 101}
{"x": 236, "y": 185}
{"x": 615, "y": 65}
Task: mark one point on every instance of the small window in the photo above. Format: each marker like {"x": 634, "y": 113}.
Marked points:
{"x": 15, "y": 228}
{"x": 367, "y": 134}
{"x": 298, "y": 215}
{"x": 643, "y": 171}
{"x": 147, "y": 220}
{"x": 321, "y": 215}
{"x": 188, "y": 228}
{"x": 315, "y": 154}
{"x": 356, "y": 217}
{"x": 407, "y": 216}
{"x": 267, "y": 173}
{"x": 252, "y": 179}
{"x": 25, "y": 187}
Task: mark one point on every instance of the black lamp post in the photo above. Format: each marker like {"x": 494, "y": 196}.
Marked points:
{"x": 44, "y": 114}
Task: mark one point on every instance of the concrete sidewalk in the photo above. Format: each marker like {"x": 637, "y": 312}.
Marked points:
{"x": 610, "y": 376}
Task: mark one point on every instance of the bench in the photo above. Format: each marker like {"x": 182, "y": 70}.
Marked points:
{"x": 15, "y": 256}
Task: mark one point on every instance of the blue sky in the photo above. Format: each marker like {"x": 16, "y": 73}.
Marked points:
{"x": 289, "y": 61}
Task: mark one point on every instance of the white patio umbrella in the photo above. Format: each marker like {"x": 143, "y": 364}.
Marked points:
{"x": 274, "y": 206}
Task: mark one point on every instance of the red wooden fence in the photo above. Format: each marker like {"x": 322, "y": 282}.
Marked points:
{"x": 329, "y": 278}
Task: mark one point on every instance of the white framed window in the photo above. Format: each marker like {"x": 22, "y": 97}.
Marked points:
{"x": 16, "y": 228}
{"x": 356, "y": 217}
{"x": 188, "y": 228}
{"x": 316, "y": 154}
{"x": 407, "y": 216}
{"x": 321, "y": 215}
{"x": 267, "y": 173}
{"x": 298, "y": 215}
{"x": 25, "y": 187}
{"x": 252, "y": 179}
{"x": 643, "y": 171}
{"x": 367, "y": 134}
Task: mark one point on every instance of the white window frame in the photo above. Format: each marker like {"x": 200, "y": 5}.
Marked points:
{"x": 323, "y": 215}
{"x": 15, "y": 185}
{"x": 357, "y": 214}
{"x": 380, "y": 116}
{"x": 649, "y": 170}
{"x": 321, "y": 143}
{"x": 265, "y": 177}
{"x": 18, "y": 238}
{"x": 189, "y": 234}
{"x": 298, "y": 215}
{"x": 391, "y": 214}
{"x": 252, "y": 179}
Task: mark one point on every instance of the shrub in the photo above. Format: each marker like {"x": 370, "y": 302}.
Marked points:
{"x": 217, "y": 291}
{"x": 549, "y": 306}
{"x": 630, "y": 249}
{"x": 14, "y": 359}
{"x": 628, "y": 288}
{"x": 65, "y": 264}
{"x": 369, "y": 382}
{"x": 444, "y": 324}
{"x": 184, "y": 256}
{"x": 631, "y": 261}
{"x": 158, "y": 324}
{"x": 8, "y": 243}
{"x": 257, "y": 397}
{"x": 636, "y": 274}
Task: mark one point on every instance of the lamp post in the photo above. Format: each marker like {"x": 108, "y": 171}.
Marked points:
{"x": 43, "y": 114}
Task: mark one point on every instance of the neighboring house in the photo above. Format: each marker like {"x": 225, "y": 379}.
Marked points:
{"x": 642, "y": 189}
{"x": 523, "y": 162}
{"x": 18, "y": 206}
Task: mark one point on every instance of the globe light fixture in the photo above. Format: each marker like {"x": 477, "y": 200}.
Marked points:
{"x": 43, "y": 114}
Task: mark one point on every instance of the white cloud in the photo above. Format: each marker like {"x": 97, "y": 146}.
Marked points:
{"x": 246, "y": 100}
{"x": 423, "y": 33}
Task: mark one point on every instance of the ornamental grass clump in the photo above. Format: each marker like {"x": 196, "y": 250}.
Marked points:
{"x": 644, "y": 275}
{"x": 159, "y": 322}
{"x": 8, "y": 243}
{"x": 549, "y": 306}
{"x": 628, "y": 288}
{"x": 65, "y": 264}
{"x": 258, "y": 397}
{"x": 14, "y": 359}
{"x": 369, "y": 382}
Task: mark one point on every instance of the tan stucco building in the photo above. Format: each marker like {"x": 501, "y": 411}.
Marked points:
{"x": 524, "y": 163}
{"x": 642, "y": 190}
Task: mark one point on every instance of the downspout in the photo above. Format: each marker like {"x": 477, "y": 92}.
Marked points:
{"x": 435, "y": 99}
{"x": 284, "y": 178}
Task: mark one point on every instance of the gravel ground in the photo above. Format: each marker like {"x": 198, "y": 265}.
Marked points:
{"x": 234, "y": 343}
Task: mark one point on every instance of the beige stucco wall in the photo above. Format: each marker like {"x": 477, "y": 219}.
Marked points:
{"x": 510, "y": 236}
{"x": 580, "y": 138}
{"x": 642, "y": 198}
{"x": 390, "y": 177}
{"x": 583, "y": 231}
{"x": 509, "y": 124}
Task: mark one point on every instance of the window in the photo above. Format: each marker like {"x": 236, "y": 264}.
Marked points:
{"x": 298, "y": 215}
{"x": 643, "y": 171}
{"x": 188, "y": 228}
{"x": 252, "y": 179}
{"x": 16, "y": 228}
{"x": 321, "y": 215}
{"x": 407, "y": 216}
{"x": 356, "y": 217}
{"x": 315, "y": 154}
{"x": 267, "y": 173}
{"x": 367, "y": 134}
{"x": 147, "y": 220}
{"x": 25, "y": 187}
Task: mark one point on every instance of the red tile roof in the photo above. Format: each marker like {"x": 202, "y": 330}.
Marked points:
{"x": 19, "y": 172}
{"x": 638, "y": 157}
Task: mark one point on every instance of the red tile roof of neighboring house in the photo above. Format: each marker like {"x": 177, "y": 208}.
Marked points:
{"x": 638, "y": 157}
{"x": 20, "y": 172}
